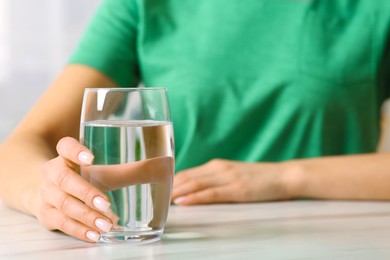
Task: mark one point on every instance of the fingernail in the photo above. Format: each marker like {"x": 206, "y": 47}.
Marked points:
{"x": 93, "y": 236}
{"x": 85, "y": 157}
{"x": 101, "y": 204}
{"x": 179, "y": 200}
{"x": 103, "y": 225}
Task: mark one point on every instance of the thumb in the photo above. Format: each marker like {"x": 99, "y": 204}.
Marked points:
{"x": 72, "y": 150}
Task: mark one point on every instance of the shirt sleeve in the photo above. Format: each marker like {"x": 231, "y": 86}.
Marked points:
{"x": 109, "y": 43}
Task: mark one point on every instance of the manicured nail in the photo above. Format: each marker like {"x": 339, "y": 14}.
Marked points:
{"x": 93, "y": 236}
{"x": 179, "y": 200}
{"x": 103, "y": 225}
{"x": 101, "y": 204}
{"x": 85, "y": 157}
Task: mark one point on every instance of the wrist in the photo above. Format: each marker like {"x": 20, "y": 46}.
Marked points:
{"x": 293, "y": 173}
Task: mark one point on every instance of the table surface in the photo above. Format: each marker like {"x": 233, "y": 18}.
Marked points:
{"x": 277, "y": 230}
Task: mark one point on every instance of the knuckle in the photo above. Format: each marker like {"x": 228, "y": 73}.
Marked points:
{"x": 216, "y": 161}
{"x": 62, "y": 179}
{"x": 88, "y": 216}
{"x": 63, "y": 224}
{"x": 79, "y": 231}
{"x": 64, "y": 202}
{"x": 196, "y": 185}
{"x": 233, "y": 175}
{"x": 217, "y": 164}
{"x": 70, "y": 227}
{"x": 213, "y": 162}
{"x": 86, "y": 194}
{"x": 212, "y": 193}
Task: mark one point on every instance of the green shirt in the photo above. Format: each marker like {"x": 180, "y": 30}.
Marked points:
{"x": 252, "y": 80}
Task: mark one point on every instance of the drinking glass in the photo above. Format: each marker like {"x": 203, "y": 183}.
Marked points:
{"x": 129, "y": 131}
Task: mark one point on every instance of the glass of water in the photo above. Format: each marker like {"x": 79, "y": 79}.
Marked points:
{"x": 129, "y": 131}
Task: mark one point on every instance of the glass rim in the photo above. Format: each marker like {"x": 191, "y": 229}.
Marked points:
{"x": 126, "y": 89}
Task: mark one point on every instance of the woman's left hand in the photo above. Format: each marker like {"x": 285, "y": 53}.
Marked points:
{"x": 224, "y": 181}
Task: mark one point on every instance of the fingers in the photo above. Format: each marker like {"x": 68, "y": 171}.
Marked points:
{"x": 217, "y": 194}
{"x": 213, "y": 182}
{"x": 69, "y": 202}
{"x": 69, "y": 182}
{"x": 189, "y": 175}
{"x": 185, "y": 185}
{"x": 72, "y": 205}
{"x": 75, "y": 209}
{"x": 55, "y": 219}
{"x": 205, "y": 188}
{"x": 71, "y": 150}
{"x": 228, "y": 181}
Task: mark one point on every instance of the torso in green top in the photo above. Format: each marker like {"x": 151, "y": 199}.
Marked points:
{"x": 253, "y": 80}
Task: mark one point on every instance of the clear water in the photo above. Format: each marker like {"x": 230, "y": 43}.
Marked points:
{"x": 140, "y": 195}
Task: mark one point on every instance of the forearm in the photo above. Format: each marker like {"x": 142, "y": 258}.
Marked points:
{"x": 360, "y": 177}
{"x": 56, "y": 115}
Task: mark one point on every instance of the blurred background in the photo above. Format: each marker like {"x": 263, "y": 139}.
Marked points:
{"x": 36, "y": 39}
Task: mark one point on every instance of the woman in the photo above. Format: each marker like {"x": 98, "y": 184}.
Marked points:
{"x": 271, "y": 100}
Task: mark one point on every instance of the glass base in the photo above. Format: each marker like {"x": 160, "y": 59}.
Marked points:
{"x": 131, "y": 236}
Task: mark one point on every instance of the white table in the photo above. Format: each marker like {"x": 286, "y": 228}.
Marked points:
{"x": 280, "y": 230}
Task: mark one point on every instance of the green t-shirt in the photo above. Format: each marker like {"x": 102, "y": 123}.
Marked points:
{"x": 252, "y": 80}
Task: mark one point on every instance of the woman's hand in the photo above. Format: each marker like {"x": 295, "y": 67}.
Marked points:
{"x": 68, "y": 202}
{"x": 223, "y": 181}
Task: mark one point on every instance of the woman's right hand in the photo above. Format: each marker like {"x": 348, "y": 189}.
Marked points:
{"x": 67, "y": 201}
